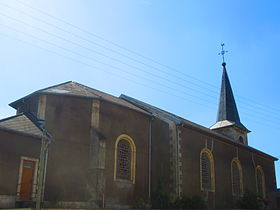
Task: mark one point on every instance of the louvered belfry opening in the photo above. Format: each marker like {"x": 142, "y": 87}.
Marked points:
{"x": 206, "y": 172}
{"x": 260, "y": 182}
{"x": 236, "y": 179}
{"x": 124, "y": 160}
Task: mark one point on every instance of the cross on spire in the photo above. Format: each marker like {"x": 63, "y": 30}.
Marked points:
{"x": 223, "y": 52}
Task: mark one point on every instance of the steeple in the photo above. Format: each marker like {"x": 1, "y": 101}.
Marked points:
{"x": 228, "y": 121}
{"x": 227, "y": 106}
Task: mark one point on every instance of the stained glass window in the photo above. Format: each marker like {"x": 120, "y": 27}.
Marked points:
{"x": 123, "y": 160}
{"x": 260, "y": 182}
{"x": 206, "y": 172}
{"x": 236, "y": 179}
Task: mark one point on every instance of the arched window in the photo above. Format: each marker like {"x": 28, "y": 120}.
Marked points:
{"x": 207, "y": 181}
{"x": 236, "y": 177}
{"x": 260, "y": 181}
{"x": 125, "y": 159}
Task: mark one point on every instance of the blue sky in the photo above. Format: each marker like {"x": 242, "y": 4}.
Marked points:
{"x": 162, "y": 52}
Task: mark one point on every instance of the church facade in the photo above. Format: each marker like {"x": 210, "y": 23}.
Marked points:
{"x": 104, "y": 151}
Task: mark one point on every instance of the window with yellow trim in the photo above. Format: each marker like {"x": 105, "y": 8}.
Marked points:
{"x": 236, "y": 178}
{"x": 260, "y": 181}
{"x": 207, "y": 180}
{"x": 125, "y": 159}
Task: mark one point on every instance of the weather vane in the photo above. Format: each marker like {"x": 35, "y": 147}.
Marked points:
{"x": 223, "y": 52}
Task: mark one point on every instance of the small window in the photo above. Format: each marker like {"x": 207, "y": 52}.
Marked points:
{"x": 207, "y": 170}
{"x": 27, "y": 165}
{"x": 236, "y": 176}
{"x": 241, "y": 139}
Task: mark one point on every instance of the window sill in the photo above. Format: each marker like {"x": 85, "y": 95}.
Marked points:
{"x": 124, "y": 181}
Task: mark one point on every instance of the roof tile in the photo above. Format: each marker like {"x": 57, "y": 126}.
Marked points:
{"x": 21, "y": 123}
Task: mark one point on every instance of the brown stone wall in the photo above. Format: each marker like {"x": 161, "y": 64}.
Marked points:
{"x": 160, "y": 170}
{"x": 115, "y": 121}
{"x": 191, "y": 145}
{"x": 75, "y": 130}
{"x": 12, "y": 147}
{"x": 194, "y": 141}
{"x": 269, "y": 171}
{"x": 68, "y": 120}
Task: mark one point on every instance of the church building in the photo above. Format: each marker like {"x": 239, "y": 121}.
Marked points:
{"x": 72, "y": 146}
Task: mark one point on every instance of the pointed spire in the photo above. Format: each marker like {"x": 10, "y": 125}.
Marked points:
{"x": 227, "y": 107}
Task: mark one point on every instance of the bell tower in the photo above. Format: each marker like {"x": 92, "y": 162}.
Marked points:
{"x": 228, "y": 121}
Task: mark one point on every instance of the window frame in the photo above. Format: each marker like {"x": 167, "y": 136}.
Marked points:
{"x": 127, "y": 138}
{"x": 239, "y": 167}
{"x": 212, "y": 170}
{"x": 259, "y": 168}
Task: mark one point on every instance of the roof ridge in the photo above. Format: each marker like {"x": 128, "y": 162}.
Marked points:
{"x": 129, "y": 97}
{"x": 159, "y": 109}
{"x": 85, "y": 86}
{"x": 95, "y": 90}
{"x": 53, "y": 86}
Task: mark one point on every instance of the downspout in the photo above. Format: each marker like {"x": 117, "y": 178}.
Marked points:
{"x": 42, "y": 169}
{"x": 178, "y": 162}
{"x": 214, "y": 193}
{"x": 254, "y": 164}
{"x": 45, "y": 170}
{"x": 174, "y": 156}
{"x": 150, "y": 153}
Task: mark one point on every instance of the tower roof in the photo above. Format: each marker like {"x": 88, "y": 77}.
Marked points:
{"x": 227, "y": 113}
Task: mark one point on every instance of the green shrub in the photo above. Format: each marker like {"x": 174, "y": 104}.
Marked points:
{"x": 194, "y": 202}
{"x": 249, "y": 200}
{"x": 160, "y": 199}
{"x": 141, "y": 203}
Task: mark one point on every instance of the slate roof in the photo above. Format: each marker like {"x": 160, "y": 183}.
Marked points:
{"x": 227, "y": 112}
{"x": 24, "y": 123}
{"x": 75, "y": 89}
{"x": 157, "y": 112}
{"x": 164, "y": 114}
